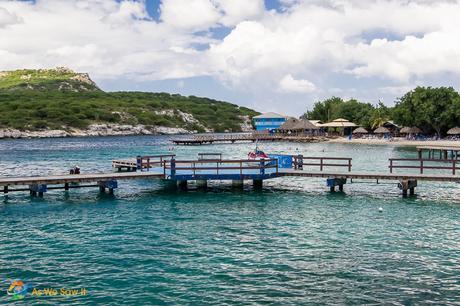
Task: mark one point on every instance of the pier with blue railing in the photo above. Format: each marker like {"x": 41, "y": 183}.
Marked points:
{"x": 214, "y": 167}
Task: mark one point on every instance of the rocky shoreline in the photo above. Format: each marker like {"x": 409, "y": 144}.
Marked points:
{"x": 94, "y": 130}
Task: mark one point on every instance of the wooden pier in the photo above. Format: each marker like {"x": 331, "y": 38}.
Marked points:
{"x": 248, "y": 137}
{"x": 40, "y": 184}
{"x": 438, "y": 152}
{"x": 212, "y": 166}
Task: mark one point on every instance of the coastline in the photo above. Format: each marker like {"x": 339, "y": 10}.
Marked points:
{"x": 403, "y": 142}
{"x": 94, "y": 130}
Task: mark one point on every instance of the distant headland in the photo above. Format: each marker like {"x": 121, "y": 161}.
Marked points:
{"x": 60, "y": 102}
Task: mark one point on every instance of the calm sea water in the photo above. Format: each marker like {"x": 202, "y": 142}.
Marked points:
{"x": 290, "y": 243}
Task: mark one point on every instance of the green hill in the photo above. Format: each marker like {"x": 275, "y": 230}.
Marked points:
{"x": 63, "y": 99}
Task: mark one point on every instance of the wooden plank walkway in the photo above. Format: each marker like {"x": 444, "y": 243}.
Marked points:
{"x": 209, "y": 139}
{"x": 77, "y": 178}
{"x": 369, "y": 175}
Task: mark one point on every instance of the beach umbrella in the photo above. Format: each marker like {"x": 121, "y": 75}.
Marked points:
{"x": 454, "y": 131}
{"x": 360, "y": 130}
{"x": 382, "y": 130}
{"x": 343, "y": 123}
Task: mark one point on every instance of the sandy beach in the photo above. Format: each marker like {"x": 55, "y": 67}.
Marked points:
{"x": 398, "y": 142}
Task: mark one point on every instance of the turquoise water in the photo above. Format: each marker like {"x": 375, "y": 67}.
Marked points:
{"x": 290, "y": 243}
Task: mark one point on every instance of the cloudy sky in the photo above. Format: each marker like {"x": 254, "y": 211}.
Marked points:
{"x": 272, "y": 55}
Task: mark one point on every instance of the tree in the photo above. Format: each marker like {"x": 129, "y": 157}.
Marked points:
{"x": 326, "y": 110}
{"x": 380, "y": 115}
{"x": 431, "y": 109}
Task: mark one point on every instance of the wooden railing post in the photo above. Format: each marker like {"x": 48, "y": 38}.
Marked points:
{"x": 300, "y": 162}
{"x": 241, "y": 168}
{"x": 139, "y": 162}
{"x": 173, "y": 167}
{"x": 421, "y": 166}
{"x": 349, "y": 165}
{"x": 391, "y": 165}
{"x": 454, "y": 166}
{"x": 321, "y": 164}
{"x": 262, "y": 166}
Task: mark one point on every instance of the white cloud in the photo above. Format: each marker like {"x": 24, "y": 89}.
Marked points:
{"x": 189, "y": 14}
{"x": 234, "y": 11}
{"x": 7, "y": 18}
{"x": 289, "y": 84}
{"x": 375, "y": 45}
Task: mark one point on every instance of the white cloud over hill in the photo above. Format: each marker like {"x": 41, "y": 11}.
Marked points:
{"x": 306, "y": 47}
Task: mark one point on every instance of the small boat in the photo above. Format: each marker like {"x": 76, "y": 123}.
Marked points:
{"x": 257, "y": 154}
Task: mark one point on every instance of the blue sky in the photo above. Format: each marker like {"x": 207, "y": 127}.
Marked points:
{"x": 272, "y": 55}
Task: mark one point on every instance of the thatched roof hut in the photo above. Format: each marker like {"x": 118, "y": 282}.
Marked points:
{"x": 410, "y": 130}
{"x": 382, "y": 130}
{"x": 360, "y": 130}
{"x": 293, "y": 124}
{"x": 305, "y": 124}
{"x": 454, "y": 131}
{"x": 289, "y": 125}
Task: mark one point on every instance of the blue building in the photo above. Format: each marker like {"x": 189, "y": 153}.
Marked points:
{"x": 268, "y": 121}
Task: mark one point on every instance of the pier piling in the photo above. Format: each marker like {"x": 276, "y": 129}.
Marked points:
{"x": 182, "y": 184}
{"x": 202, "y": 184}
{"x": 407, "y": 186}
{"x": 333, "y": 182}
{"x": 258, "y": 184}
{"x": 237, "y": 183}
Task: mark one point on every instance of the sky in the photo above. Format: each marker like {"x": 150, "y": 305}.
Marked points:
{"x": 272, "y": 55}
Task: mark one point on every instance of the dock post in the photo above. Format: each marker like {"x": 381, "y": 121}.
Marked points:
{"x": 111, "y": 185}
{"x": 37, "y": 189}
{"x": 258, "y": 184}
{"x": 332, "y": 182}
{"x": 237, "y": 183}
{"x": 173, "y": 167}
{"x": 5, "y": 189}
{"x": 203, "y": 184}
{"x": 66, "y": 186}
{"x": 262, "y": 166}
{"x": 182, "y": 184}
{"x": 407, "y": 185}
{"x": 300, "y": 162}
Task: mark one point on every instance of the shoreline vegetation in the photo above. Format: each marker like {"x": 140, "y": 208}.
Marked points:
{"x": 60, "y": 102}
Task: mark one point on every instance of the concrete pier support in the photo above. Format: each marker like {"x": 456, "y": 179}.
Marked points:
{"x": 258, "y": 184}
{"x": 407, "y": 186}
{"x": 37, "y": 189}
{"x": 237, "y": 183}
{"x": 111, "y": 185}
{"x": 202, "y": 184}
{"x": 333, "y": 182}
{"x": 182, "y": 184}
